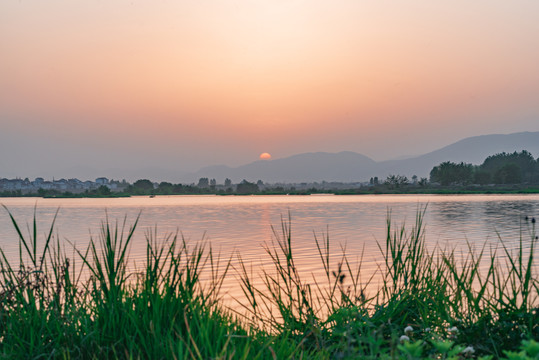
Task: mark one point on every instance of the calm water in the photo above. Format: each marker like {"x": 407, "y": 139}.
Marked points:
{"x": 242, "y": 224}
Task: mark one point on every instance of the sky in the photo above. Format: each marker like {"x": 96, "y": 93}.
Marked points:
{"x": 95, "y": 87}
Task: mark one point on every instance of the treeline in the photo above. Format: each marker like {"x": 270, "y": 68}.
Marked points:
{"x": 503, "y": 168}
{"x": 204, "y": 186}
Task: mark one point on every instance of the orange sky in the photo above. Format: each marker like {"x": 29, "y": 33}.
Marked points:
{"x": 227, "y": 80}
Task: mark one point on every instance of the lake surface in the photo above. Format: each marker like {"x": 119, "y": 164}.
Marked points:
{"x": 243, "y": 224}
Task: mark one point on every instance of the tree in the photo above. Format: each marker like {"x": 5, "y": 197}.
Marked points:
{"x": 143, "y": 185}
{"x": 228, "y": 182}
{"x": 203, "y": 182}
{"x": 482, "y": 177}
{"x": 448, "y": 173}
{"x": 502, "y": 168}
{"x": 165, "y": 188}
{"x": 523, "y": 167}
{"x": 103, "y": 190}
{"x": 374, "y": 180}
{"x": 246, "y": 187}
{"x": 396, "y": 181}
{"x": 508, "y": 174}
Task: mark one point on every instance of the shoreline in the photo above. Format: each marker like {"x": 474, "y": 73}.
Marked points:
{"x": 498, "y": 190}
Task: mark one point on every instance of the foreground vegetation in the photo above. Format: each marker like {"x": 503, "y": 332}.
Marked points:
{"x": 428, "y": 304}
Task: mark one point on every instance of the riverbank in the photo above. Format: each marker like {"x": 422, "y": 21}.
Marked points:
{"x": 429, "y": 305}
{"x": 367, "y": 190}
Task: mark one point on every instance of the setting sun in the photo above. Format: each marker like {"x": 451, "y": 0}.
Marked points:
{"x": 265, "y": 156}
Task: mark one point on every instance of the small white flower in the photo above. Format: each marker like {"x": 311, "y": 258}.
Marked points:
{"x": 404, "y": 338}
{"x": 408, "y": 329}
{"x": 453, "y": 330}
{"x": 469, "y": 350}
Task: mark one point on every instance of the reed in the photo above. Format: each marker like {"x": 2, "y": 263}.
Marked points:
{"x": 480, "y": 301}
{"x": 49, "y": 308}
{"x": 429, "y": 304}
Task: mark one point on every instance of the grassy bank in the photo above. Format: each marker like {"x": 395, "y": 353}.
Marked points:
{"x": 413, "y": 189}
{"x": 429, "y": 304}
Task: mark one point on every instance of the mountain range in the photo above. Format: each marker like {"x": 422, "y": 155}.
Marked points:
{"x": 349, "y": 166}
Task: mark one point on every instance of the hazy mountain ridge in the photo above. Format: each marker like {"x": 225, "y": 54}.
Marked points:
{"x": 472, "y": 150}
{"x": 319, "y": 166}
{"x": 349, "y": 166}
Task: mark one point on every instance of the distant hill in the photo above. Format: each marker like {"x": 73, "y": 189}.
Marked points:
{"x": 353, "y": 167}
{"x": 472, "y": 150}
{"x": 344, "y": 166}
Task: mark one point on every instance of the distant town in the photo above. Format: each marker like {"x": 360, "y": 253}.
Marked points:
{"x": 26, "y": 186}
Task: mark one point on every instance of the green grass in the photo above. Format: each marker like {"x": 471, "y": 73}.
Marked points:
{"x": 430, "y": 304}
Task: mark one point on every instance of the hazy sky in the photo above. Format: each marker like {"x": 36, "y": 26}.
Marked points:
{"x": 183, "y": 84}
